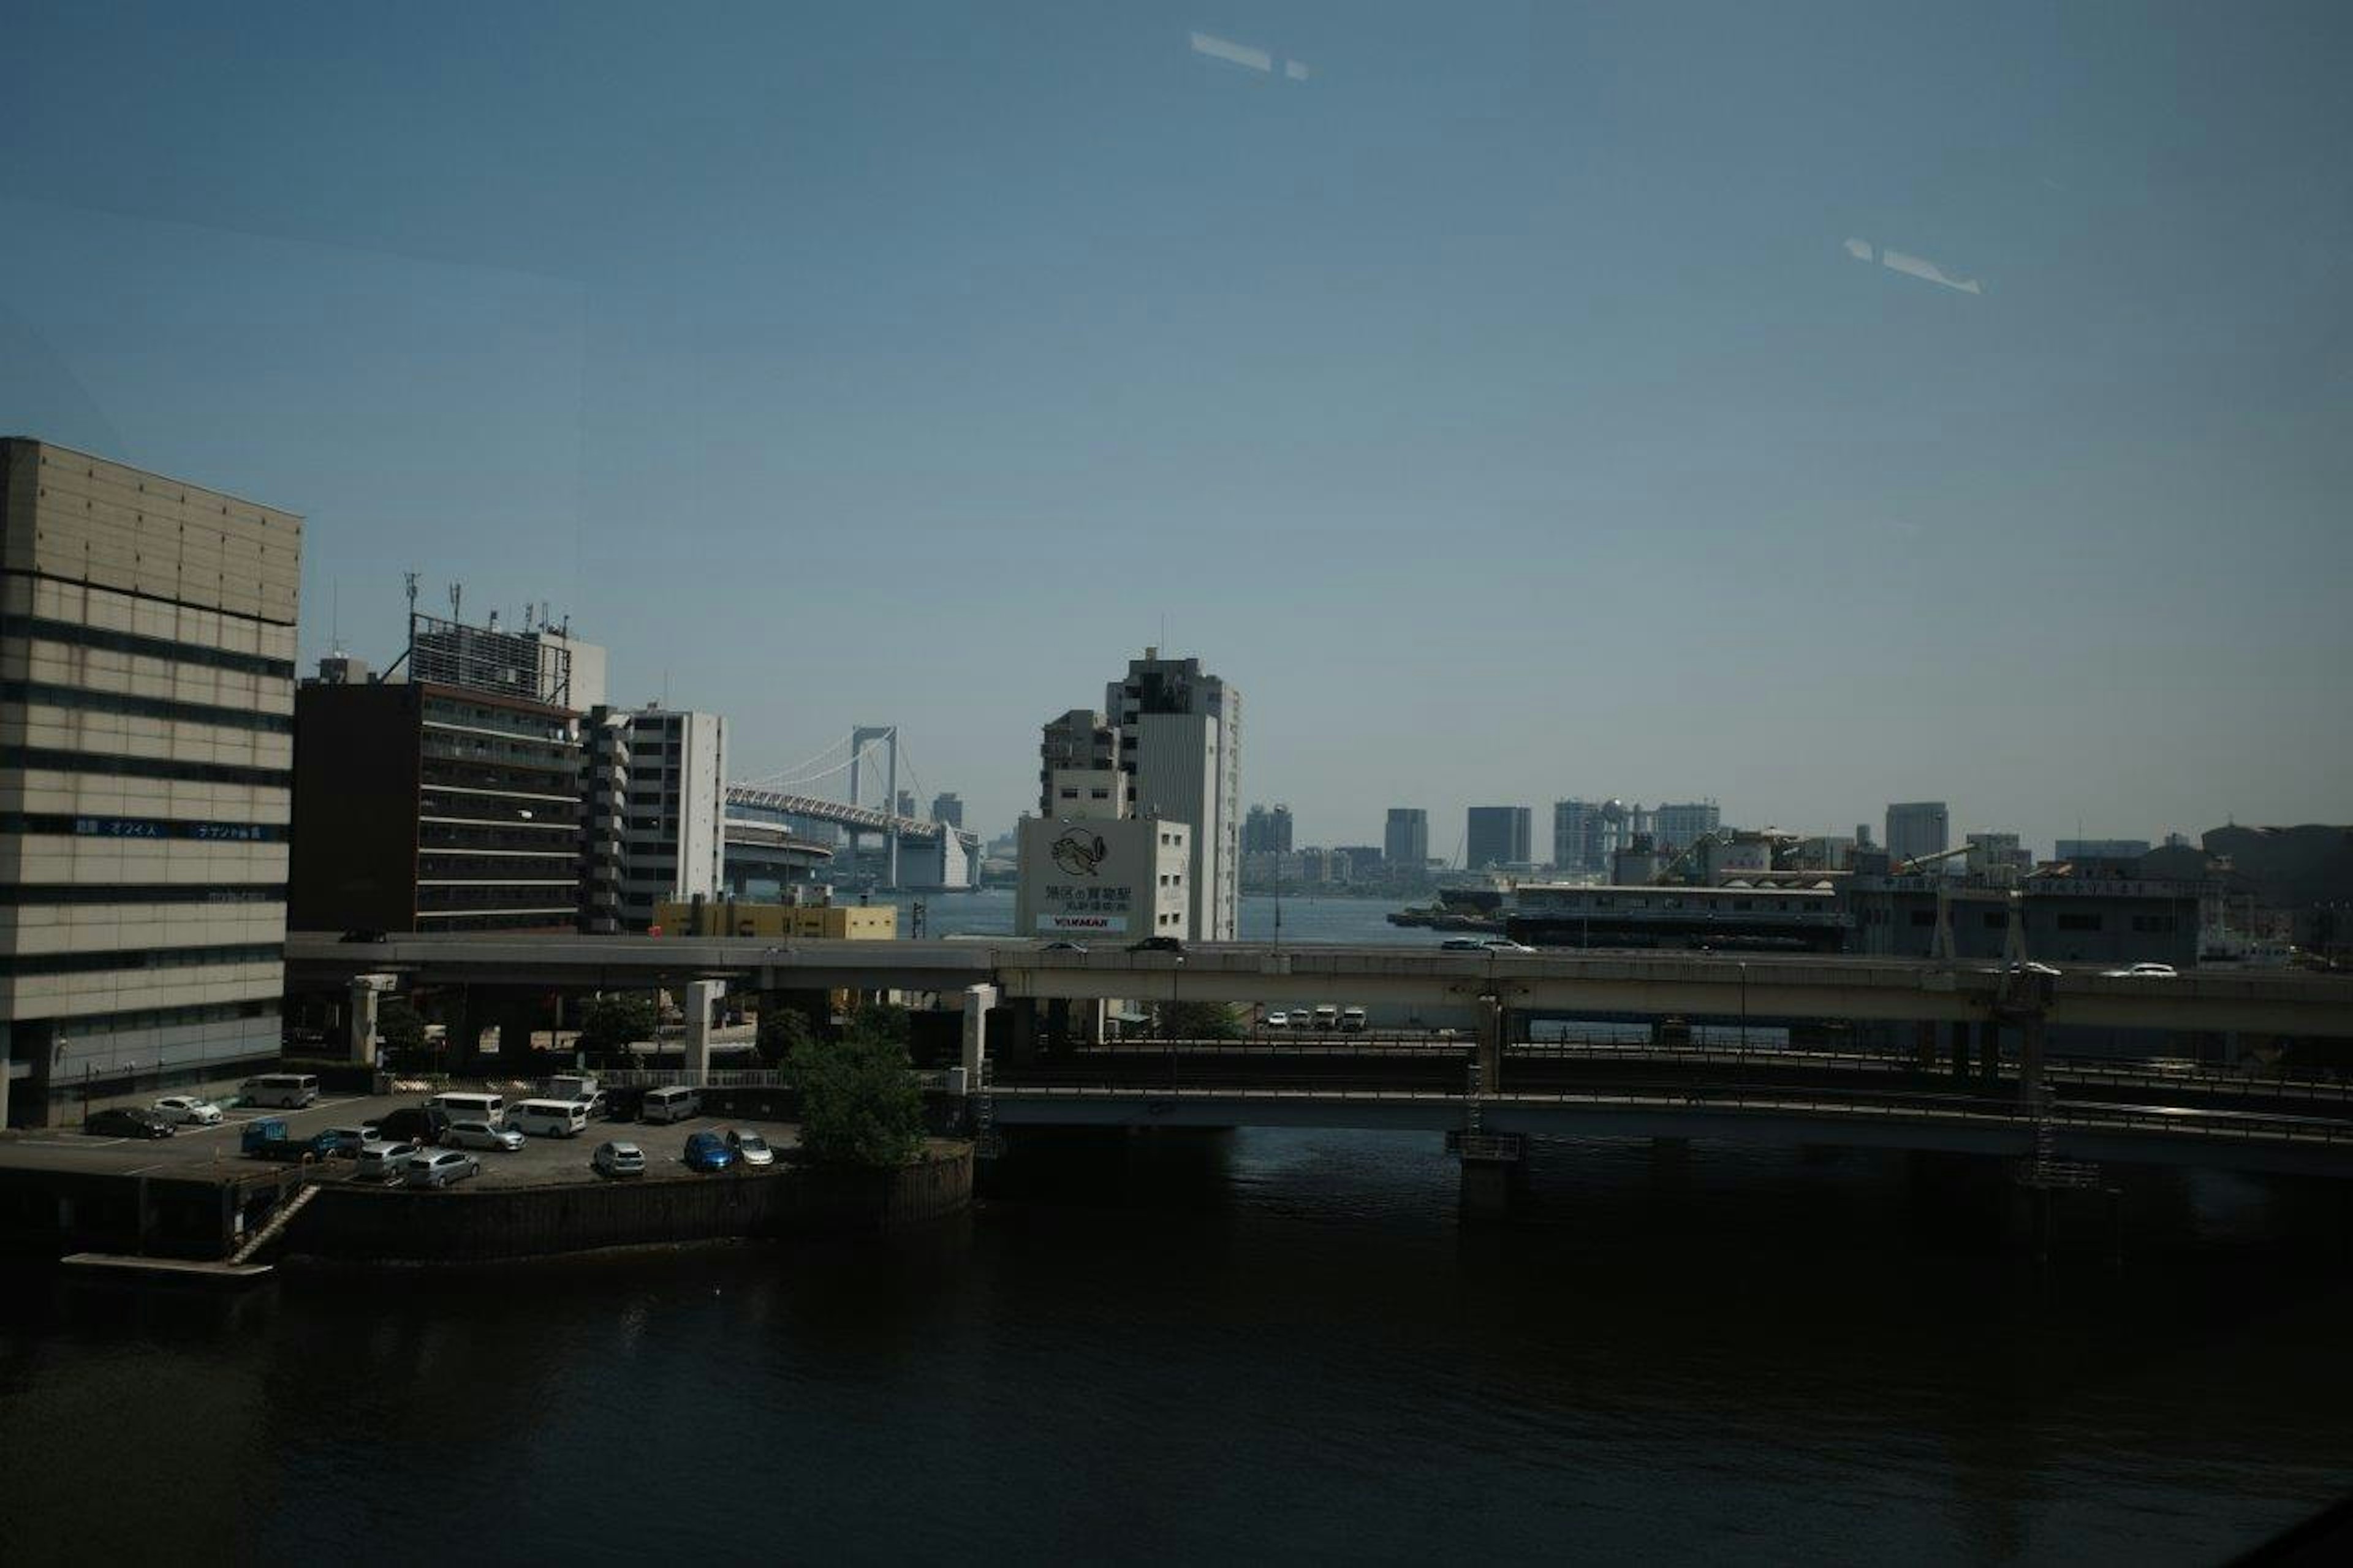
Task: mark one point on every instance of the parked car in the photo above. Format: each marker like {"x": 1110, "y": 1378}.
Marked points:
{"x": 2143, "y": 971}
{"x": 126, "y": 1121}
{"x": 382, "y": 1162}
{"x": 414, "y": 1124}
{"x": 347, "y": 1141}
{"x": 482, "y": 1135}
{"x": 617, "y": 1160}
{"x": 1278, "y": 1019}
{"x": 707, "y": 1151}
{"x": 440, "y": 1167}
{"x": 187, "y": 1110}
{"x": 268, "y": 1138}
{"x": 751, "y": 1148}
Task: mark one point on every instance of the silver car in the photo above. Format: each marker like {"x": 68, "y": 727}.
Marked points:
{"x": 619, "y": 1160}
{"x": 440, "y": 1167}
{"x": 751, "y": 1148}
{"x": 482, "y": 1135}
{"x": 188, "y": 1111}
{"x": 380, "y": 1161}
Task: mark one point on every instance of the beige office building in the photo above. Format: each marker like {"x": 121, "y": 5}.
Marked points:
{"x": 147, "y": 738}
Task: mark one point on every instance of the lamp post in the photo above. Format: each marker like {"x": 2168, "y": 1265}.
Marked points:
{"x": 1744, "y": 1007}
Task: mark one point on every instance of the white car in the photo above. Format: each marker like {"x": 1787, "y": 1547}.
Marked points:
{"x": 482, "y": 1135}
{"x": 1505, "y": 945}
{"x": 187, "y": 1110}
{"x": 2143, "y": 972}
{"x": 1278, "y": 1019}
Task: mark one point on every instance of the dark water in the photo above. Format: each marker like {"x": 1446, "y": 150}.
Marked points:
{"x": 1261, "y": 1346}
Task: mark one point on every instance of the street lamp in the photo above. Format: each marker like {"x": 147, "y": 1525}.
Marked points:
{"x": 1744, "y": 1006}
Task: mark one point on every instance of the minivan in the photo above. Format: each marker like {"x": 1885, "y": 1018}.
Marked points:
{"x": 1352, "y": 1020}
{"x": 466, "y": 1106}
{"x": 1327, "y": 1017}
{"x": 674, "y": 1104}
{"x": 549, "y": 1117}
{"x": 286, "y": 1090}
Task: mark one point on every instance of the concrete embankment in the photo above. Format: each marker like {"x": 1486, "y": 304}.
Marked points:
{"x": 348, "y": 1225}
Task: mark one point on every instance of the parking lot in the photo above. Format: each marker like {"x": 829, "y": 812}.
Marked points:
{"x": 541, "y": 1161}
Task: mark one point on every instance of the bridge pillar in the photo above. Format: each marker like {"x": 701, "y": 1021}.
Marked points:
{"x": 2030, "y": 1057}
{"x": 360, "y": 1035}
{"x": 1990, "y": 1052}
{"x": 701, "y": 996}
{"x": 1491, "y": 1045}
{"x": 1958, "y": 1034}
{"x": 1494, "y": 1177}
{"x": 1923, "y": 1047}
{"x": 977, "y": 1001}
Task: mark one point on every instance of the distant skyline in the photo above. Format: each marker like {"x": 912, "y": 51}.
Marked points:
{"x": 1555, "y": 401}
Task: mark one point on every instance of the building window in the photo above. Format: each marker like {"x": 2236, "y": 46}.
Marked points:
{"x": 2079, "y": 923}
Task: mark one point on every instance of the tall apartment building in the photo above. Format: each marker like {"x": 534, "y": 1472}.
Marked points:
{"x": 1405, "y": 841}
{"x": 1496, "y": 836}
{"x": 671, "y": 825}
{"x": 1917, "y": 827}
{"x": 947, "y": 809}
{"x": 1180, "y": 743}
{"x": 1679, "y": 825}
{"x": 1080, "y": 741}
{"x": 1266, "y": 831}
{"x": 146, "y": 699}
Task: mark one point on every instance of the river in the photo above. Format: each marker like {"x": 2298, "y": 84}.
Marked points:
{"x": 1264, "y": 1346}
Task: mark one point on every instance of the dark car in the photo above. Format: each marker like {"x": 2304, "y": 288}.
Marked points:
{"x": 370, "y": 936}
{"x": 413, "y": 1124}
{"x": 1157, "y": 944}
{"x": 126, "y": 1122}
{"x": 1064, "y": 947}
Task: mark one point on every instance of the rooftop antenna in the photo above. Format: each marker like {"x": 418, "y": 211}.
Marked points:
{"x": 457, "y": 596}
{"x": 411, "y": 576}
{"x": 335, "y": 619}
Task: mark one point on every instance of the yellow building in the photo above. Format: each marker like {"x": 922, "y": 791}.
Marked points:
{"x": 725, "y": 917}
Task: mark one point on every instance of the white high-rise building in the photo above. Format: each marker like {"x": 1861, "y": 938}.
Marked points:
{"x": 1679, "y": 825}
{"x": 1180, "y": 734}
{"x": 670, "y": 808}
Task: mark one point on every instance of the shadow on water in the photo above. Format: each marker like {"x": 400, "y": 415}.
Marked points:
{"x": 1179, "y": 1346}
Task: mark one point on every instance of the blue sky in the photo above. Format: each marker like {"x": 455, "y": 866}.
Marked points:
{"x": 1513, "y": 401}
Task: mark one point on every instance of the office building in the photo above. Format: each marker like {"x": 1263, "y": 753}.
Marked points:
{"x": 1496, "y": 836}
{"x": 147, "y": 631}
{"x": 947, "y": 809}
{"x": 1107, "y": 877}
{"x": 425, "y": 806}
{"x": 1180, "y": 743}
{"x": 1405, "y": 841}
{"x": 1915, "y": 829}
{"x": 1678, "y": 826}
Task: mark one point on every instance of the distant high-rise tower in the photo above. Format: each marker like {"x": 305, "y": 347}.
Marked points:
{"x": 947, "y": 808}
{"x": 1267, "y": 832}
{"x": 1180, "y": 744}
{"x": 1496, "y": 836}
{"x": 1674, "y": 828}
{"x": 1404, "y": 844}
{"x": 1917, "y": 827}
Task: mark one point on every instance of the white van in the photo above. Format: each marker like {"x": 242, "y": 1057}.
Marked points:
{"x": 1327, "y": 1017}
{"x": 674, "y": 1104}
{"x": 460, "y": 1105}
{"x": 285, "y": 1090}
{"x": 1352, "y": 1020}
{"x": 549, "y": 1117}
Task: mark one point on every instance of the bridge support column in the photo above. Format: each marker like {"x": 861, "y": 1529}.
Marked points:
{"x": 1494, "y": 1177}
{"x": 360, "y": 1035}
{"x": 1990, "y": 1052}
{"x": 1491, "y": 1045}
{"x": 977, "y": 1001}
{"x": 1959, "y": 1035}
{"x": 1923, "y": 1047}
{"x": 2030, "y": 1057}
{"x": 701, "y": 996}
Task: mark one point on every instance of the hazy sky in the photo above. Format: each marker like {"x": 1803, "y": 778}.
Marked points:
{"x": 1804, "y": 408}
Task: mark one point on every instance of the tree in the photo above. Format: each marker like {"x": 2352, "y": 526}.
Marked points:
{"x": 784, "y": 1029}
{"x": 615, "y": 1022}
{"x": 399, "y": 1027}
{"x": 858, "y": 1100}
{"x": 1198, "y": 1021}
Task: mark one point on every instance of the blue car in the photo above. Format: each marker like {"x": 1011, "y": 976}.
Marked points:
{"x": 708, "y": 1152}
